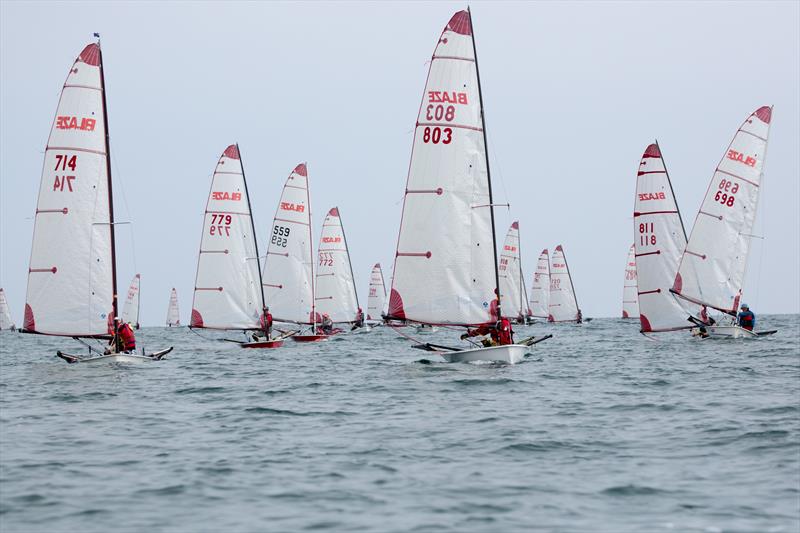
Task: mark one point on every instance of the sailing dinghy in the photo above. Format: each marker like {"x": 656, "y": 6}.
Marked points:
{"x": 228, "y": 292}
{"x": 540, "y": 289}
{"x": 512, "y": 283}
{"x": 563, "y": 305}
{"x": 659, "y": 239}
{"x": 335, "y": 289}
{"x": 173, "y": 314}
{"x": 376, "y": 299}
{"x": 288, "y": 271}
{"x": 130, "y": 311}
{"x": 712, "y": 268}
{"x": 446, "y": 264}
{"x": 6, "y": 323}
{"x": 72, "y": 277}
{"x": 630, "y": 298}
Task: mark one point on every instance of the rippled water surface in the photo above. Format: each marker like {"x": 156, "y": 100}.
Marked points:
{"x": 600, "y": 429}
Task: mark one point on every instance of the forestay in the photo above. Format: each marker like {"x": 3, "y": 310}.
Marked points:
{"x": 563, "y": 302}
{"x": 659, "y": 240}
{"x": 445, "y": 263}
{"x": 227, "y": 293}
{"x": 510, "y": 270}
{"x": 376, "y": 300}
{"x": 713, "y": 266}
{"x": 630, "y": 298}
{"x": 71, "y": 284}
{"x": 5, "y": 313}
{"x": 173, "y": 314}
{"x": 130, "y": 311}
{"x": 288, "y": 273}
{"x": 540, "y": 289}
{"x": 335, "y": 288}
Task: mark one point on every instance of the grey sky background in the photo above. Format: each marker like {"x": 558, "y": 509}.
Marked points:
{"x": 573, "y": 92}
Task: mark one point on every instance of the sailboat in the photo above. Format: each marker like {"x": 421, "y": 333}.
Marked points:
{"x": 540, "y": 289}
{"x": 288, "y": 270}
{"x": 446, "y": 264}
{"x": 130, "y": 311}
{"x": 630, "y": 298}
{"x": 335, "y": 289}
{"x": 512, "y": 283}
{"x": 712, "y": 268}
{"x": 72, "y": 278}
{"x": 659, "y": 240}
{"x": 228, "y": 292}
{"x": 376, "y": 299}
{"x": 173, "y": 314}
{"x": 6, "y": 323}
{"x": 563, "y": 305}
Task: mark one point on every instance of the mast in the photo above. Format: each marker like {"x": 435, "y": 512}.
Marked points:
{"x": 311, "y": 255}
{"x": 263, "y": 320}
{"x": 488, "y": 171}
{"x": 110, "y": 193}
{"x": 349, "y": 261}
{"x": 569, "y": 275}
{"x": 671, "y": 190}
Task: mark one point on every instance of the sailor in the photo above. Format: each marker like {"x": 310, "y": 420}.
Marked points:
{"x": 746, "y": 319}
{"x": 327, "y": 324}
{"x": 266, "y": 324}
{"x": 500, "y": 333}
{"x": 579, "y": 317}
{"x": 707, "y": 320}
{"x": 359, "y": 322}
{"x": 124, "y": 339}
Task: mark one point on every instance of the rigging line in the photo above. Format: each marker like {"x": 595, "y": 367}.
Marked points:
{"x": 499, "y": 171}
{"x": 121, "y": 182}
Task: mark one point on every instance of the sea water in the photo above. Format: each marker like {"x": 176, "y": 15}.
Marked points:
{"x": 599, "y": 429}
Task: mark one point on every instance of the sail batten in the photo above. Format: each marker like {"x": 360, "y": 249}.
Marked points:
{"x": 227, "y": 263}
{"x": 712, "y": 268}
{"x": 445, "y": 269}
{"x": 71, "y": 275}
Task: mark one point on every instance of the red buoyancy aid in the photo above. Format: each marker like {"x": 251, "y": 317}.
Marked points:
{"x": 505, "y": 335}
{"x": 128, "y": 339}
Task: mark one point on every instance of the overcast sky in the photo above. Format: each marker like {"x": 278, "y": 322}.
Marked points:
{"x": 574, "y": 92}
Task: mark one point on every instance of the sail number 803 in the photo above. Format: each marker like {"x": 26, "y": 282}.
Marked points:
{"x": 280, "y": 236}
{"x": 437, "y": 135}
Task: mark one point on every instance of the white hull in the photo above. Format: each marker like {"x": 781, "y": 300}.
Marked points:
{"x": 115, "y": 357}
{"x": 510, "y": 353}
{"x": 427, "y": 329}
{"x": 730, "y": 332}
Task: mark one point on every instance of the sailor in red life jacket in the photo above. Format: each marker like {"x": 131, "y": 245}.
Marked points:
{"x": 359, "y": 322}
{"x": 266, "y": 324}
{"x": 500, "y": 332}
{"x": 124, "y": 339}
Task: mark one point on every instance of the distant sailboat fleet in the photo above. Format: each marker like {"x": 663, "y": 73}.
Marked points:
{"x": 447, "y": 271}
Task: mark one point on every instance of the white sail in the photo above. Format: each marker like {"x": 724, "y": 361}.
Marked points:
{"x": 563, "y": 302}
{"x": 5, "y": 313}
{"x": 71, "y": 274}
{"x": 130, "y": 311}
{"x": 630, "y": 298}
{"x": 445, "y": 263}
{"x": 712, "y": 268}
{"x": 659, "y": 240}
{"x": 335, "y": 288}
{"x": 376, "y": 300}
{"x": 173, "y": 314}
{"x": 512, "y": 292}
{"x": 540, "y": 290}
{"x": 227, "y": 293}
{"x": 288, "y": 269}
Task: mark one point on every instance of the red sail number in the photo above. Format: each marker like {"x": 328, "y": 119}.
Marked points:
{"x": 725, "y": 194}
{"x": 644, "y": 239}
{"x": 434, "y": 135}
{"x": 220, "y": 222}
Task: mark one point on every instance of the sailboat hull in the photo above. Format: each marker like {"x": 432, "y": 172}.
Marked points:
{"x": 510, "y": 354}
{"x": 734, "y": 332}
{"x": 263, "y": 344}
{"x": 116, "y": 357}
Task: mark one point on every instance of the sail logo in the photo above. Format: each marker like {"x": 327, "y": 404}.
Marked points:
{"x": 643, "y": 197}
{"x": 741, "y": 158}
{"x": 559, "y": 265}
{"x": 71, "y": 123}
{"x": 289, "y": 206}
{"x": 510, "y": 248}
{"x": 331, "y": 239}
{"x": 233, "y": 196}
{"x": 444, "y": 97}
